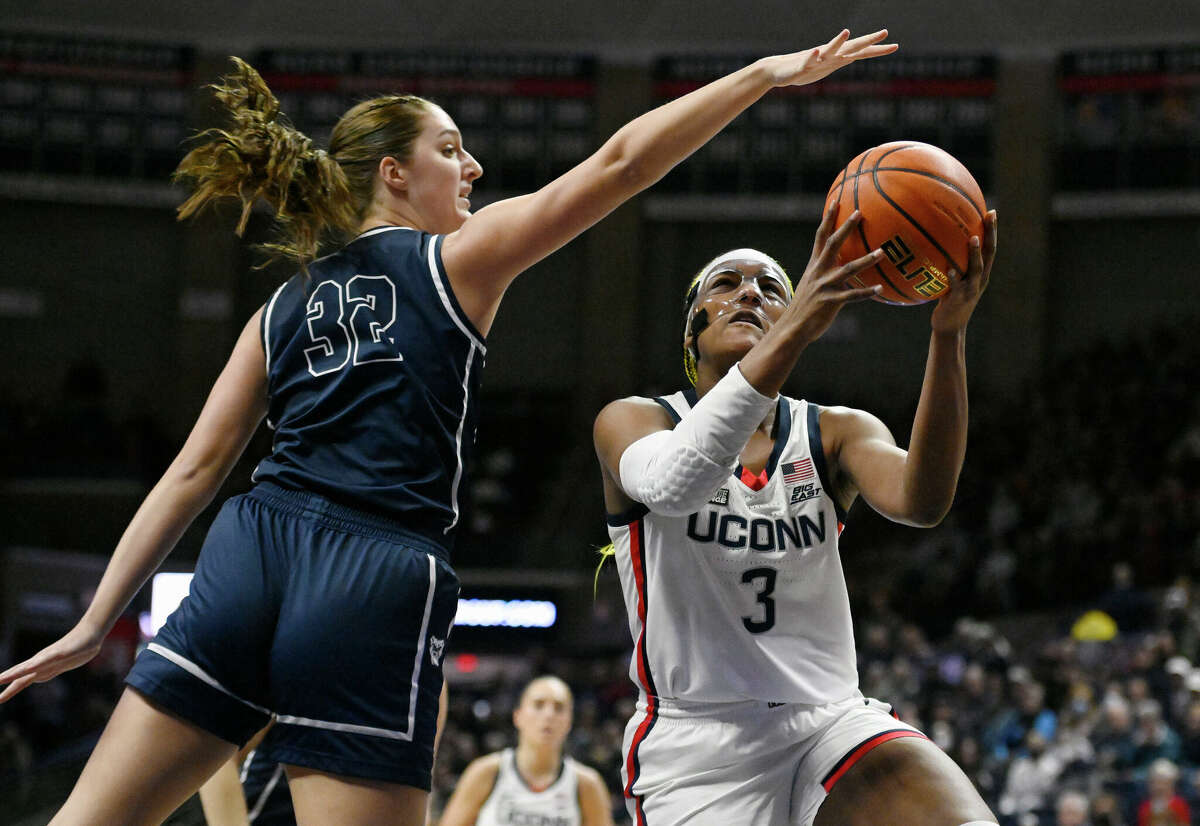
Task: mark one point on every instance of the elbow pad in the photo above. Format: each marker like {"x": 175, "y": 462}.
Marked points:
{"x": 674, "y": 472}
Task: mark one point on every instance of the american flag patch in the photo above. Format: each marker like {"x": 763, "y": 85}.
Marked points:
{"x": 797, "y": 471}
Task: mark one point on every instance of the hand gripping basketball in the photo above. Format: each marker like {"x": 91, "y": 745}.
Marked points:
{"x": 823, "y": 291}
{"x": 954, "y": 309}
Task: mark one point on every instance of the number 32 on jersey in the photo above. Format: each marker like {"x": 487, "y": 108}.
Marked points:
{"x": 350, "y": 325}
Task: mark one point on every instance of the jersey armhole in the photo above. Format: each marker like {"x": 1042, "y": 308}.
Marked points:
{"x": 441, "y": 283}
{"x": 816, "y": 449}
{"x": 626, "y": 517}
{"x": 264, "y": 326}
{"x": 670, "y": 408}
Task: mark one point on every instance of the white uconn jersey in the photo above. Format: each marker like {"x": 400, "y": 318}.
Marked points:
{"x": 744, "y": 599}
{"x": 513, "y": 803}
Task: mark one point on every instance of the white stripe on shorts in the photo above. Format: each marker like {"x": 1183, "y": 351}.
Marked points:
{"x": 199, "y": 673}
{"x": 246, "y": 766}
{"x": 266, "y": 793}
{"x": 416, "y": 683}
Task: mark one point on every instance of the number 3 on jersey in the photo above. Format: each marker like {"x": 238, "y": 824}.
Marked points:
{"x": 353, "y": 325}
{"x": 767, "y": 577}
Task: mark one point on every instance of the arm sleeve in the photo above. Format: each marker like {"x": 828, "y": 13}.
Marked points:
{"x": 674, "y": 472}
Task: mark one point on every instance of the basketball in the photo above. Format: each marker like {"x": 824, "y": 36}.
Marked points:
{"x": 920, "y": 206}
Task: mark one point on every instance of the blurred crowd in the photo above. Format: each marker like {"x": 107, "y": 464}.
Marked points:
{"x": 1078, "y": 723}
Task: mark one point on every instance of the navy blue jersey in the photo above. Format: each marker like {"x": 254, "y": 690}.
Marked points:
{"x": 373, "y": 373}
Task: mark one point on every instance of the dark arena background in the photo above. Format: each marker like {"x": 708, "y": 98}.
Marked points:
{"x": 1081, "y": 489}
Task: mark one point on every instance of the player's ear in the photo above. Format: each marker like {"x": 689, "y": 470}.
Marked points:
{"x": 393, "y": 175}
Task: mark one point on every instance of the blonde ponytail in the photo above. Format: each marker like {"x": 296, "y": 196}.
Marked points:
{"x": 259, "y": 157}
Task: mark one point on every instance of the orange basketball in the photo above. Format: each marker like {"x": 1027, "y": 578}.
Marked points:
{"x": 920, "y": 206}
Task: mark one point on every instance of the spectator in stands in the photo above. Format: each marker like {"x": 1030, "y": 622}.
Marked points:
{"x": 1190, "y": 736}
{"x": 1029, "y": 713}
{"x": 1071, "y": 809}
{"x": 1113, "y": 735}
{"x": 1031, "y": 778}
{"x": 1163, "y": 806}
{"x": 1153, "y": 739}
{"x": 1106, "y": 810}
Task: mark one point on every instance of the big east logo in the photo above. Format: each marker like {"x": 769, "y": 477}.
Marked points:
{"x": 802, "y": 493}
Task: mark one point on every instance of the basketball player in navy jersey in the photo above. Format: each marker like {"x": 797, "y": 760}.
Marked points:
{"x": 725, "y": 502}
{"x": 535, "y": 783}
{"x": 323, "y": 599}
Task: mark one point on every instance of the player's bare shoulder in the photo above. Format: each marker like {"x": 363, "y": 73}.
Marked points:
{"x": 589, "y": 775}
{"x": 625, "y": 420}
{"x": 618, "y": 425}
{"x": 482, "y": 771}
{"x": 840, "y": 424}
{"x": 631, "y": 409}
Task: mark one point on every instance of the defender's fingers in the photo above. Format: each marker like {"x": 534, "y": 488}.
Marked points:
{"x": 836, "y": 43}
{"x": 16, "y": 687}
{"x": 866, "y": 39}
{"x": 874, "y": 51}
{"x": 18, "y": 670}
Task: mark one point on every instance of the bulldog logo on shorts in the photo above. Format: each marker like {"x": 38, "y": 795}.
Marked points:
{"x": 436, "y": 649}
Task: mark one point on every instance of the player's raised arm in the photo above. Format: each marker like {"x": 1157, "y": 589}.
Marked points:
{"x": 917, "y": 486}
{"x": 503, "y": 239}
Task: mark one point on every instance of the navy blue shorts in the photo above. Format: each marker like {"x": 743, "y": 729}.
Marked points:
{"x": 330, "y": 621}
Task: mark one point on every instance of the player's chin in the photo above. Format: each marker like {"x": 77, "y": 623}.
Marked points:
{"x": 744, "y": 335}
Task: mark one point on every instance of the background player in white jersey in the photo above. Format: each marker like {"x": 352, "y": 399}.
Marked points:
{"x": 534, "y": 784}
{"x": 724, "y": 507}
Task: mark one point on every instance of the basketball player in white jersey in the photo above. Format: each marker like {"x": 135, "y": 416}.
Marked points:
{"x": 724, "y": 505}
{"x": 533, "y": 784}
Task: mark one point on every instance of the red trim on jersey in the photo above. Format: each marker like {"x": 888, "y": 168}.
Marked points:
{"x": 752, "y": 480}
{"x": 632, "y": 767}
{"x": 638, "y": 558}
{"x": 858, "y": 752}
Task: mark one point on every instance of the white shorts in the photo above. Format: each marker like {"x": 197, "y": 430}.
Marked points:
{"x": 766, "y": 764}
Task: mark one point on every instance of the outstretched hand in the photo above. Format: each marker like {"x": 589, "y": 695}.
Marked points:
{"x": 814, "y": 64}
{"x": 954, "y": 309}
{"x": 822, "y": 291}
{"x": 74, "y": 649}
